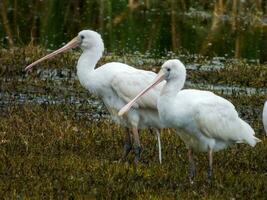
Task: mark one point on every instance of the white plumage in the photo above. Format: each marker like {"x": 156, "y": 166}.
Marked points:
{"x": 115, "y": 83}
{"x": 264, "y": 117}
{"x": 204, "y": 121}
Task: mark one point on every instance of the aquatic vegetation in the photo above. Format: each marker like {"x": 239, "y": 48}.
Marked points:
{"x": 46, "y": 153}
{"x": 234, "y": 73}
{"x": 14, "y": 60}
{"x": 57, "y": 141}
{"x": 200, "y": 69}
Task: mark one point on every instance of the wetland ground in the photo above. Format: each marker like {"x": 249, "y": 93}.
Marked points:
{"x": 57, "y": 141}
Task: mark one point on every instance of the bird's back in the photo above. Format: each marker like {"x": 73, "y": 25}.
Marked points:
{"x": 212, "y": 115}
{"x": 217, "y": 118}
{"x": 122, "y": 83}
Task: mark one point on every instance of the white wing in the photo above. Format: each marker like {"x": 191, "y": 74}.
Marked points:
{"x": 128, "y": 84}
{"x": 264, "y": 117}
{"x": 217, "y": 118}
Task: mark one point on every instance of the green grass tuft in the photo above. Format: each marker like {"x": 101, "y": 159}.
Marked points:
{"x": 46, "y": 154}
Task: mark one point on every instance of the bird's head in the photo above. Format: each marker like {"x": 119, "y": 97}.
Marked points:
{"x": 86, "y": 40}
{"x": 170, "y": 70}
{"x": 173, "y": 69}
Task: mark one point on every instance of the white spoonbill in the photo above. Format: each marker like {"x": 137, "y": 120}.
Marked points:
{"x": 264, "y": 117}
{"x": 204, "y": 121}
{"x": 116, "y": 84}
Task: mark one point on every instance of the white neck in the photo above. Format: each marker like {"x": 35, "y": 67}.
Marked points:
{"x": 86, "y": 64}
{"x": 173, "y": 86}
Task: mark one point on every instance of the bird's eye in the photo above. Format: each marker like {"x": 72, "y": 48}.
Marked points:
{"x": 168, "y": 69}
{"x": 82, "y": 37}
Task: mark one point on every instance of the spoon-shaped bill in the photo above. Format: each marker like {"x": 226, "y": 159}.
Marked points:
{"x": 72, "y": 44}
{"x": 160, "y": 77}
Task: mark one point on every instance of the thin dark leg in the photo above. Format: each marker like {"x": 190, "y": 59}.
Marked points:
{"x": 192, "y": 167}
{"x": 136, "y": 146}
{"x": 210, "y": 170}
{"x": 127, "y": 144}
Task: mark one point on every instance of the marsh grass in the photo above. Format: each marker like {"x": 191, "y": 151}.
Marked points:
{"x": 47, "y": 154}
{"x": 238, "y": 72}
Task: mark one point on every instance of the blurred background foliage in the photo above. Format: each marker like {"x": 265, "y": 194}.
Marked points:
{"x": 228, "y": 28}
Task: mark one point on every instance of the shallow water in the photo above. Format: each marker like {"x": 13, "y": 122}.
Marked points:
{"x": 58, "y": 86}
{"x": 228, "y": 90}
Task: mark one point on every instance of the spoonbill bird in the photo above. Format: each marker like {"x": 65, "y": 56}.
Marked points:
{"x": 204, "y": 121}
{"x": 115, "y": 83}
{"x": 264, "y": 117}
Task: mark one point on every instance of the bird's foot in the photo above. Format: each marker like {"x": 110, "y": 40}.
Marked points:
{"x": 192, "y": 174}
{"x": 210, "y": 176}
{"x": 127, "y": 148}
{"x": 137, "y": 152}
{"x": 191, "y": 180}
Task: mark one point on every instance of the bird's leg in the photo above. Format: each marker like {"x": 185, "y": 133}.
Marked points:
{"x": 210, "y": 171}
{"x": 159, "y": 144}
{"x": 136, "y": 146}
{"x": 192, "y": 167}
{"x": 127, "y": 144}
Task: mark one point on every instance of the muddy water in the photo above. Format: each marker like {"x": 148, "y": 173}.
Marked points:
{"x": 61, "y": 87}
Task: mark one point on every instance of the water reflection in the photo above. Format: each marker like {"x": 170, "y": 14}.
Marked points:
{"x": 225, "y": 28}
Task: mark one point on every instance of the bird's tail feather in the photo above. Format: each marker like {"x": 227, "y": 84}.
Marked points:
{"x": 249, "y": 134}
{"x": 257, "y": 139}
